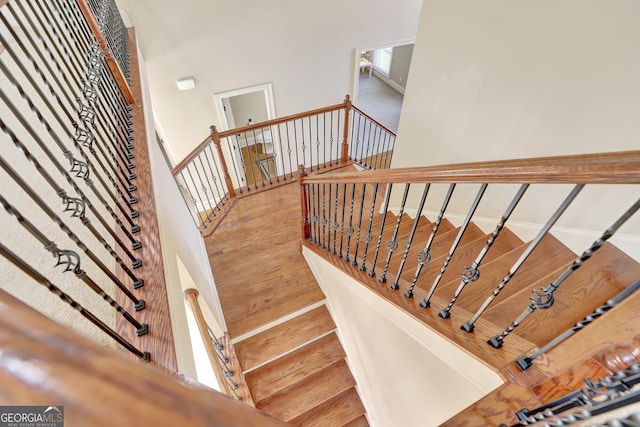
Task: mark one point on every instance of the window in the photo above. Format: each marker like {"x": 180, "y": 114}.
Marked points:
{"x": 382, "y": 60}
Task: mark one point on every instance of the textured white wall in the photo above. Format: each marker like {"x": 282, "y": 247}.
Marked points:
{"x": 306, "y": 49}
{"x": 407, "y": 375}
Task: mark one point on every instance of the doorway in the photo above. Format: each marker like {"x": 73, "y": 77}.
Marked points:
{"x": 380, "y": 80}
{"x": 255, "y": 150}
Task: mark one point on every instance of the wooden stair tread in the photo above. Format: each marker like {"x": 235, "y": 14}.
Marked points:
{"x": 284, "y": 337}
{"x": 548, "y": 256}
{"x": 302, "y": 397}
{"x": 475, "y": 343}
{"x": 600, "y": 278}
{"x": 465, "y": 255}
{"x": 337, "y": 411}
{"x": 293, "y": 367}
{"x": 361, "y": 421}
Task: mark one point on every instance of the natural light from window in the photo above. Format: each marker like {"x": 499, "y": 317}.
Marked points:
{"x": 382, "y": 60}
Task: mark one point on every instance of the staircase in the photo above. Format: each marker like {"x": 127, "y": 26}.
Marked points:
{"x": 283, "y": 334}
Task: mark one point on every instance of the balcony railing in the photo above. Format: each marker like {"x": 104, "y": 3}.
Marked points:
{"x": 257, "y": 157}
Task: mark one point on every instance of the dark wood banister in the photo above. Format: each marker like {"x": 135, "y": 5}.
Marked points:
{"x": 180, "y": 166}
{"x": 604, "y": 168}
{"x": 43, "y": 363}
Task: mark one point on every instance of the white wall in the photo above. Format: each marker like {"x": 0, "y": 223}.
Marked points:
{"x": 183, "y": 252}
{"x": 505, "y": 79}
{"x": 407, "y": 375}
{"x": 306, "y": 49}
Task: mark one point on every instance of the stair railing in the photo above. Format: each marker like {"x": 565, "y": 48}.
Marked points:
{"x": 259, "y": 156}
{"x": 222, "y": 356}
{"x": 351, "y": 215}
{"x": 76, "y": 187}
{"x": 45, "y": 363}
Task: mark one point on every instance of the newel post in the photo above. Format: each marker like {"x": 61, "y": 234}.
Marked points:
{"x": 304, "y": 207}
{"x": 215, "y": 137}
{"x": 345, "y": 145}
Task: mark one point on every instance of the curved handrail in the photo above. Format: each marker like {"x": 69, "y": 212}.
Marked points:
{"x": 603, "y": 168}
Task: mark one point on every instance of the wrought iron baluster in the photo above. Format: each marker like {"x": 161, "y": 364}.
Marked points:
{"x": 323, "y": 219}
{"x": 357, "y": 244}
{"x": 469, "y": 325}
{"x": 40, "y": 279}
{"x": 329, "y": 222}
{"x": 544, "y": 298}
{"x": 197, "y": 191}
{"x": 258, "y": 158}
{"x": 525, "y": 362}
{"x": 424, "y": 257}
{"x": 395, "y": 285}
{"x": 52, "y": 133}
{"x": 295, "y": 144}
{"x": 317, "y": 139}
{"x": 193, "y": 201}
{"x": 215, "y": 175}
{"x": 234, "y": 148}
{"x": 472, "y": 273}
{"x": 203, "y": 187}
{"x": 70, "y": 260}
{"x": 335, "y": 224}
{"x": 350, "y": 229}
{"x": 393, "y": 243}
{"x": 368, "y": 236}
{"x": 354, "y": 136}
{"x": 77, "y": 208}
{"x": 385, "y": 208}
{"x": 342, "y": 227}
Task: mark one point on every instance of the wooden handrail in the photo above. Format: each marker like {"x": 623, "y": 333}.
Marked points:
{"x": 113, "y": 64}
{"x": 44, "y": 363}
{"x": 603, "y": 168}
{"x": 208, "y": 140}
{"x": 191, "y": 295}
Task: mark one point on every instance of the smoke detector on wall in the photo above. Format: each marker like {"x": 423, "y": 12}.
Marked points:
{"x": 186, "y": 84}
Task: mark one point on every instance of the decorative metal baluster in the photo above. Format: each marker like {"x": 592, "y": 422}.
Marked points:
{"x": 472, "y": 273}
{"x": 193, "y": 201}
{"x": 295, "y": 143}
{"x": 258, "y": 159}
{"x": 70, "y": 260}
{"x": 350, "y": 229}
{"x": 525, "y": 362}
{"x": 237, "y": 161}
{"x": 338, "y": 145}
{"x": 203, "y": 187}
{"x": 335, "y": 224}
{"x": 80, "y": 170}
{"x": 215, "y": 176}
{"x": 357, "y": 244}
{"x": 328, "y": 221}
{"x": 368, "y": 236}
{"x": 323, "y": 219}
{"x": 331, "y": 138}
{"x": 342, "y": 228}
{"x": 385, "y": 208}
{"x": 544, "y": 298}
{"x": 425, "y": 255}
{"x": 395, "y": 285}
{"x": 304, "y": 146}
{"x": 354, "y": 135}
{"x": 88, "y": 91}
{"x": 468, "y": 326}
{"x": 77, "y": 208}
{"x": 195, "y": 187}
{"x": 427, "y": 301}
{"x": 393, "y": 243}
{"x": 40, "y": 279}
{"x": 317, "y": 140}
{"x": 85, "y": 140}
{"x": 312, "y": 214}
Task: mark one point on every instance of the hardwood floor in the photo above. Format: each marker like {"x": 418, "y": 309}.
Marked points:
{"x": 284, "y": 337}
{"x": 259, "y": 271}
